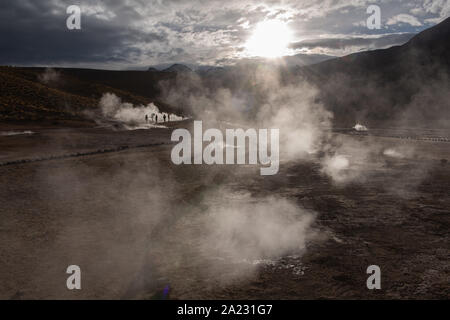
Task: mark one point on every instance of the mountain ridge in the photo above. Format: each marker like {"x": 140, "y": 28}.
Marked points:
{"x": 404, "y": 84}
{"x": 407, "y": 82}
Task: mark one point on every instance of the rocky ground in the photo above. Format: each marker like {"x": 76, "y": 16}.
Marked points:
{"x": 140, "y": 227}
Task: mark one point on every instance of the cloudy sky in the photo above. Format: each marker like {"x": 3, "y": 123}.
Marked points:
{"x": 121, "y": 34}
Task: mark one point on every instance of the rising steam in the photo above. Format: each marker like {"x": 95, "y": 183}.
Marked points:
{"x": 252, "y": 228}
{"x": 133, "y": 117}
{"x": 261, "y": 97}
{"x": 49, "y": 76}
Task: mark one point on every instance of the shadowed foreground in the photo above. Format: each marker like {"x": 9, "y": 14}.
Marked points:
{"x": 138, "y": 225}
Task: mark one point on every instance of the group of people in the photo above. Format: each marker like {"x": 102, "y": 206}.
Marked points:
{"x": 154, "y": 117}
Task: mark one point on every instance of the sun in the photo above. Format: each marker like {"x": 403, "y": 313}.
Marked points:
{"x": 270, "y": 39}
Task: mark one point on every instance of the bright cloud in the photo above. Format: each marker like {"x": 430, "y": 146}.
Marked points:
{"x": 135, "y": 33}
{"x": 404, "y": 18}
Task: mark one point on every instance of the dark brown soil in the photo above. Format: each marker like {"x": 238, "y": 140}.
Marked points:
{"x": 128, "y": 219}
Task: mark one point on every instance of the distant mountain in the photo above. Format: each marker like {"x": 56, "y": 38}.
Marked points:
{"x": 428, "y": 47}
{"x": 26, "y": 97}
{"x": 295, "y": 60}
{"x": 302, "y": 59}
{"x": 298, "y": 60}
{"x": 151, "y": 69}
{"x": 402, "y": 85}
{"x": 208, "y": 69}
{"x": 178, "y": 68}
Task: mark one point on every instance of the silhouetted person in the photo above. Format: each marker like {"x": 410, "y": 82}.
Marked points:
{"x": 156, "y": 117}
{"x": 146, "y": 118}
{"x": 164, "y": 117}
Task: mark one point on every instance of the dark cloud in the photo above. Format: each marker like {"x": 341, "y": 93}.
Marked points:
{"x": 344, "y": 43}
{"x": 133, "y": 33}
{"x": 31, "y": 34}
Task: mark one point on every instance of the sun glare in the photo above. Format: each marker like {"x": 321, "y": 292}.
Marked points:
{"x": 270, "y": 39}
